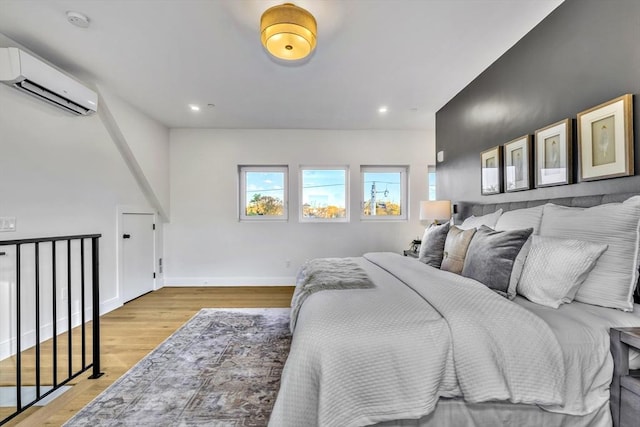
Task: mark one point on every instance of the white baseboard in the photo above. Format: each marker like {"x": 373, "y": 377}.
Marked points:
{"x": 110, "y": 305}
{"x": 230, "y": 281}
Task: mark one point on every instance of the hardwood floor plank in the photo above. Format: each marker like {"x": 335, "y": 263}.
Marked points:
{"x": 129, "y": 333}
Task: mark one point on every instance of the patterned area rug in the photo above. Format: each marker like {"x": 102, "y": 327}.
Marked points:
{"x": 222, "y": 368}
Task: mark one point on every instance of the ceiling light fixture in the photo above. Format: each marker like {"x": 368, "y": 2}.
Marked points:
{"x": 382, "y": 110}
{"x": 288, "y": 32}
{"x": 194, "y": 107}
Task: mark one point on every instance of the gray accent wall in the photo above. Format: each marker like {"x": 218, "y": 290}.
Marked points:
{"x": 584, "y": 53}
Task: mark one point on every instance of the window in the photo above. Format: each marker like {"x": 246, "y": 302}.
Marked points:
{"x": 263, "y": 193}
{"x": 384, "y": 192}
{"x": 324, "y": 194}
{"x": 431, "y": 182}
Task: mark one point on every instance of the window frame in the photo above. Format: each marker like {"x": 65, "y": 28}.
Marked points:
{"x": 347, "y": 196}
{"x": 242, "y": 170}
{"x": 404, "y": 191}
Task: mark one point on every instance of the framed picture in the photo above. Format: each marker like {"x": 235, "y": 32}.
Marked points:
{"x": 491, "y": 171}
{"x": 517, "y": 161}
{"x": 553, "y": 154}
{"x": 605, "y": 140}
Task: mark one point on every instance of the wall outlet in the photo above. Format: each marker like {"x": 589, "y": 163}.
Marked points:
{"x": 7, "y": 223}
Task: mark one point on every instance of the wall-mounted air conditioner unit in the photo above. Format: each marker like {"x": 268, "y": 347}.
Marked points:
{"x": 37, "y": 78}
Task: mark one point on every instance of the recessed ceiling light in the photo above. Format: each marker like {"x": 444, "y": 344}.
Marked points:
{"x": 383, "y": 109}
{"x": 194, "y": 107}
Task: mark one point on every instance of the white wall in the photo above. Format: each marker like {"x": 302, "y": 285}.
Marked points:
{"x": 61, "y": 175}
{"x": 64, "y": 175}
{"x": 148, "y": 144}
{"x": 206, "y": 244}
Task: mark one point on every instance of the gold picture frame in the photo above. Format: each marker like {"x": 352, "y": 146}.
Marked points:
{"x": 517, "y": 164}
{"x": 491, "y": 171}
{"x": 553, "y": 162}
{"x": 605, "y": 140}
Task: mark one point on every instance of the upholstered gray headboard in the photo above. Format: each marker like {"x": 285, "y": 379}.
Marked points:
{"x": 466, "y": 209}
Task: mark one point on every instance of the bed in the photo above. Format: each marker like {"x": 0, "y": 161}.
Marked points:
{"x": 388, "y": 340}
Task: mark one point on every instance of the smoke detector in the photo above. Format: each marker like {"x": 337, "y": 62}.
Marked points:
{"x": 78, "y": 19}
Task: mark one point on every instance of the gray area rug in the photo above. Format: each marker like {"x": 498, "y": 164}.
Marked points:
{"x": 222, "y": 368}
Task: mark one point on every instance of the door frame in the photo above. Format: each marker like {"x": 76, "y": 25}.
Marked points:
{"x": 121, "y": 211}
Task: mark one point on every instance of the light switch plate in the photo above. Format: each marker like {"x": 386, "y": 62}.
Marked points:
{"x": 7, "y": 223}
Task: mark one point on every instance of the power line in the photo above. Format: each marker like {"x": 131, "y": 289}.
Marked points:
{"x": 382, "y": 182}
{"x": 325, "y": 185}
{"x": 265, "y": 191}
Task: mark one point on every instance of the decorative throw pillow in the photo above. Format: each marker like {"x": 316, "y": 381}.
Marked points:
{"x": 614, "y": 277}
{"x": 432, "y": 246}
{"x": 476, "y": 221}
{"x": 455, "y": 249}
{"x": 491, "y": 256}
{"x": 556, "y": 268}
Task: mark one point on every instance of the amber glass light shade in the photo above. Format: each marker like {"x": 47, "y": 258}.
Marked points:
{"x": 288, "y": 32}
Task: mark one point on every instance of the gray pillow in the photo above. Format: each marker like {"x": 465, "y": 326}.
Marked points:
{"x": 432, "y": 246}
{"x": 455, "y": 249}
{"x": 491, "y": 256}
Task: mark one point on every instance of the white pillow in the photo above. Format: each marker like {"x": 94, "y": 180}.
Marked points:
{"x": 556, "y": 268}
{"x": 520, "y": 219}
{"x": 477, "y": 221}
{"x": 614, "y": 277}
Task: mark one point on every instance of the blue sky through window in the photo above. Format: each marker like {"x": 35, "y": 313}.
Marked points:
{"x": 265, "y": 184}
{"x": 323, "y": 187}
{"x": 431, "y": 183}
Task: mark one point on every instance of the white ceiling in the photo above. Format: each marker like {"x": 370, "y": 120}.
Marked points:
{"x": 161, "y": 55}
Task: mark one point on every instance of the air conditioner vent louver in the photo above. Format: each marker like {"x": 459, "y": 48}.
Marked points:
{"x": 37, "y": 78}
{"x": 45, "y": 95}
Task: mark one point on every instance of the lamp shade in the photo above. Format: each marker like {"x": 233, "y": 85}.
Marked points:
{"x": 288, "y": 32}
{"x": 433, "y": 210}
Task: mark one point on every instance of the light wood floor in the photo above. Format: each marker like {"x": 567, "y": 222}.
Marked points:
{"x": 132, "y": 331}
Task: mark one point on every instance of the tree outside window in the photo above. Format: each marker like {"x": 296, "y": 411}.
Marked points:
{"x": 263, "y": 193}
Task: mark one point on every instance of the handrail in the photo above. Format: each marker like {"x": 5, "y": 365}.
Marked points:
{"x": 20, "y": 267}
{"x": 48, "y": 239}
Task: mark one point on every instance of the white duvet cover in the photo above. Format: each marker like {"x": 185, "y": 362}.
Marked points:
{"x": 363, "y": 356}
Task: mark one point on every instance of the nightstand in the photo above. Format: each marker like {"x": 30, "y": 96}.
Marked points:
{"x": 625, "y": 385}
{"x": 412, "y": 254}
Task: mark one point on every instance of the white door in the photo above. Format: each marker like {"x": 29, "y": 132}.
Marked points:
{"x": 137, "y": 255}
